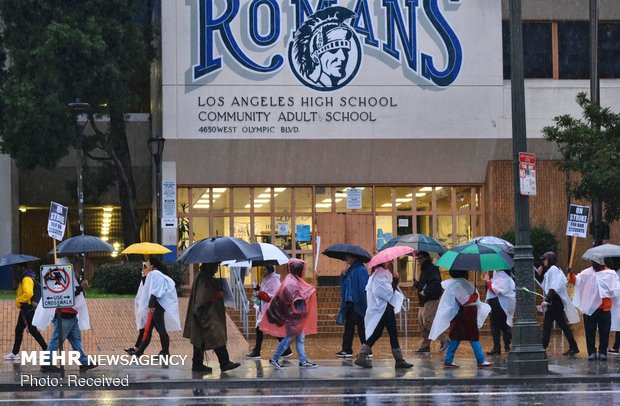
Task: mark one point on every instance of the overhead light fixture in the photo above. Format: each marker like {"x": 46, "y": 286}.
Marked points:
{"x": 261, "y": 200}
{"x": 404, "y": 199}
{"x": 390, "y": 204}
{"x": 264, "y": 196}
{"x": 201, "y": 206}
{"x": 248, "y": 206}
{"x": 420, "y": 194}
{"x": 107, "y": 215}
{"x": 323, "y": 205}
{"x": 108, "y": 209}
{"x": 202, "y": 201}
{"x": 258, "y": 206}
{"x": 104, "y": 238}
{"x": 22, "y": 209}
{"x": 279, "y": 189}
{"x": 426, "y": 189}
{"x": 105, "y": 232}
{"x": 219, "y": 190}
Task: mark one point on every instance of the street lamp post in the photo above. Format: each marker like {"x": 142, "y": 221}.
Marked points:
{"x": 76, "y": 109}
{"x": 595, "y": 97}
{"x": 156, "y": 145}
{"x": 527, "y": 356}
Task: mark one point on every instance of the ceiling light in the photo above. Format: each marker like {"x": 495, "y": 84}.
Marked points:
{"x": 104, "y": 238}
{"x": 323, "y": 205}
{"x": 420, "y": 194}
{"x": 247, "y": 206}
{"x": 261, "y": 200}
{"x": 203, "y": 201}
{"x": 327, "y": 201}
{"x": 426, "y": 189}
{"x": 107, "y": 215}
{"x": 404, "y": 199}
{"x": 114, "y": 254}
{"x": 219, "y": 190}
{"x": 390, "y": 204}
{"x": 408, "y": 195}
{"x": 108, "y": 209}
{"x": 22, "y": 209}
{"x": 279, "y": 189}
{"x": 258, "y": 206}
{"x": 216, "y": 195}
{"x": 105, "y": 232}
{"x": 264, "y": 196}
{"x": 201, "y": 206}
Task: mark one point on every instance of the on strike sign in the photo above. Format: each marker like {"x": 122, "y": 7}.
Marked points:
{"x": 57, "y": 221}
{"x": 57, "y": 286}
{"x": 577, "y": 225}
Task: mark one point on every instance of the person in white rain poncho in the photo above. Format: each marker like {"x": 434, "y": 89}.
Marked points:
{"x": 157, "y": 306}
{"x": 596, "y": 295}
{"x": 502, "y": 298}
{"x": 556, "y": 305}
{"x": 383, "y": 300}
{"x": 460, "y": 310}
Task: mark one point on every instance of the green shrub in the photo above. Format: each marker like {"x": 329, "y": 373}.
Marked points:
{"x": 124, "y": 278}
{"x": 541, "y": 238}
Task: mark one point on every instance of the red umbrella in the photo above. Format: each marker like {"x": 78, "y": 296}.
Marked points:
{"x": 389, "y": 254}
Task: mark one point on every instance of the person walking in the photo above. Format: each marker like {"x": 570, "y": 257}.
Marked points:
{"x": 205, "y": 324}
{"x": 502, "y": 298}
{"x": 382, "y": 297}
{"x": 136, "y": 305}
{"x": 429, "y": 292}
{"x": 292, "y": 314}
{"x": 73, "y": 320}
{"x": 461, "y": 311}
{"x": 24, "y": 301}
{"x": 264, "y": 293}
{"x": 353, "y": 283}
{"x": 596, "y": 288}
{"x": 557, "y": 305}
{"x": 158, "y": 307}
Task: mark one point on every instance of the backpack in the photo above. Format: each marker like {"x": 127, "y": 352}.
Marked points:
{"x": 36, "y": 296}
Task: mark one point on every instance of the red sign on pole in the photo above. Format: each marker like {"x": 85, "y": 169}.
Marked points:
{"x": 527, "y": 173}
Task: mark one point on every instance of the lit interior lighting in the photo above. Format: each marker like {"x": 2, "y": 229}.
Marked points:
{"x": 201, "y": 206}
{"x": 426, "y": 189}
{"x": 258, "y": 206}
{"x": 247, "y": 206}
{"x": 390, "y": 204}
{"x": 323, "y": 205}
{"x": 105, "y": 232}
{"x": 404, "y": 199}
{"x": 341, "y": 194}
{"x": 420, "y": 194}
{"x": 104, "y": 238}
{"x": 205, "y": 196}
{"x": 108, "y": 209}
{"x": 203, "y": 201}
{"x": 409, "y": 195}
{"x": 337, "y": 200}
{"x": 327, "y": 201}
{"x": 22, "y": 209}
{"x": 116, "y": 245}
{"x": 264, "y": 196}
{"x": 107, "y": 215}
{"x": 114, "y": 254}
{"x": 219, "y": 190}
{"x": 268, "y": 190}
{"x": 261, "y": 200}
{"x": 279, "y": 189}
{"x": 216, "y": 195}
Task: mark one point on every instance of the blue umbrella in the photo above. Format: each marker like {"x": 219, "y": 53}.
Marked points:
{"x": 218, "y": 249}
{"x": 340, "y": 251}
{"x": 419, "y": 242}
{"x": 12, "y": 259}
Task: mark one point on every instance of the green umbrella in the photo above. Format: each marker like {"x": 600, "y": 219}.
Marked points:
{"x": 475, "y": 257}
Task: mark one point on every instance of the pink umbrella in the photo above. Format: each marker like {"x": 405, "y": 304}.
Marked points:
{"x": 389, "y": 254}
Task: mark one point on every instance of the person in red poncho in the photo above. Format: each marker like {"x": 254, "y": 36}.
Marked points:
{"x": 292, "y": 313}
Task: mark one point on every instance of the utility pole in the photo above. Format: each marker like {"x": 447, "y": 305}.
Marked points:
{"x": 595, "y": 97}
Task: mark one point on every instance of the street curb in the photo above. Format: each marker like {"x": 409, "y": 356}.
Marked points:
{"x": 256, "y": 383}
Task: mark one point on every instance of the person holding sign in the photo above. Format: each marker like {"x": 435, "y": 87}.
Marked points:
{"x": 25, "y": 302}
{"x": 556, "y": 305}
{"x": 596, "y": 288}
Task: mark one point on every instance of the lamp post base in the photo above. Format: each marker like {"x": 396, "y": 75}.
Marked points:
{"x": 527, "y": 355}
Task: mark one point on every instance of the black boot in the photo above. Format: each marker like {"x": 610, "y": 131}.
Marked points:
{"x": 400, "y": 361}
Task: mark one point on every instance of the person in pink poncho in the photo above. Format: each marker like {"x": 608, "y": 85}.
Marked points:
{"x": 292, "y": 313}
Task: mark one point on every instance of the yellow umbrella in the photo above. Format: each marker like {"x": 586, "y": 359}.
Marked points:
{"x": 145, "y": 248}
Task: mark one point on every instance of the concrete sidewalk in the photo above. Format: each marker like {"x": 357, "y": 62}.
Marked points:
{"x": 427, "y": 370}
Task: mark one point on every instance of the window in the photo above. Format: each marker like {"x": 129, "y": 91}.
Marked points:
{"x": 609, "y": 50}
{"x": 537, "y": 50}
{"x": 574, "y": 49}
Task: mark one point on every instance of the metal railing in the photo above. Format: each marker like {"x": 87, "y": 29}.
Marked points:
{"x": 241, "y": 300}
{"x": 403, "y": 316}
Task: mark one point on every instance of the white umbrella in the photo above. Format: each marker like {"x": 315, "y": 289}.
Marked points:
{"x": 270, "y": 254}
{"x": 605, "y": 250}
{"x": 495, "y": 242}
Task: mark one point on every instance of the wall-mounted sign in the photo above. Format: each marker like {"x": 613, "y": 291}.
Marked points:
{"x": 354, "y": 198}
{"x": 57, "y": 286}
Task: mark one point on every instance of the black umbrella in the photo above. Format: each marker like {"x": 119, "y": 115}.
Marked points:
{"x": 340, "y": 251}
{"x": 218, "y": 249}
{"x": 12, "y": 259}
{"x": 82, "y": 244}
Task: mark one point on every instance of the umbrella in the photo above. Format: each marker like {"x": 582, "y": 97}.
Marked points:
{"x": 475, "y": 257}
{"x": 495, "y": 242}
{"x": 605, "y": 250}
{"x": 82, "y": 244}
{"x": 270, "y": 254}
{"x": 218, "y": 249}
{"x": 145, "y": 248}
{"x": 12, "y": 259}
{"x": 419, "y": 242}
{"x": 389, "y": 254}
{"x": 340, "y": 251}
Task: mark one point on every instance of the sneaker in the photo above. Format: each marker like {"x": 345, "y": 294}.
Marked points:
{"x": 602, "y": 357}
{"x": 485, "y": 364}
{"x": 611, "y": 350}
{"x": 253, "y": 355}
{"x": 369, "y": 355}
{"x": 276, "y": 364}
{"x": 444, "y": 346}
{"x": 343, "y": 354}
{"x": 307, "y": 364}
{"x": 11, "y": 357}
{"x": 592, "y": 357}
{"x": 84, "y": 368}
{"x": 287, "y": 353}
{"x": 570, "y": 352}
{"x": 494, "y": 351}
{"x": 424, "y": 350}
{"x": 450, "y": 365}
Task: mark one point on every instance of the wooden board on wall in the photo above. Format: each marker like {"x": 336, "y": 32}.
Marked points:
{"x": 360, "y": 230}
{"x": 331, "y": 228}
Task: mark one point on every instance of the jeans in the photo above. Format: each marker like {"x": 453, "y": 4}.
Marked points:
{"x": 71, "y": 332}
{"x": 555, "y": 312}
{"x": 299, "y": 344}
{"x": 499, "y": 324}
{"x": 454, "y": 344}
{"x": 602, "y": 320}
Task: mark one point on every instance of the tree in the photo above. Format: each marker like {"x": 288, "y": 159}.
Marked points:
{"x": 541, "y": 238}
{"x": 590, "y": 147}
{"x": 98, "y": 51}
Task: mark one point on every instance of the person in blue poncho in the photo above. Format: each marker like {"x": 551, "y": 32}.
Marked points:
{"x": 353, "y": 283}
